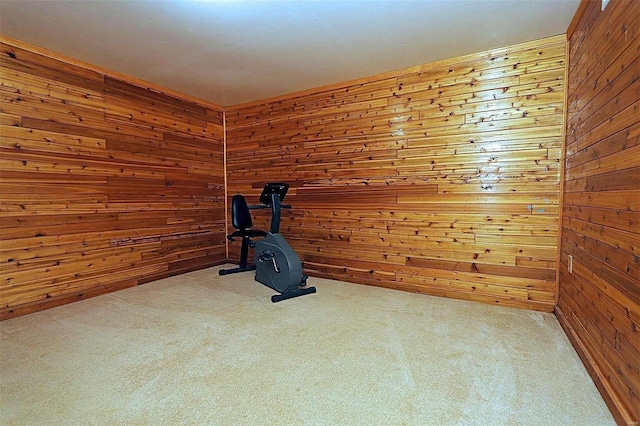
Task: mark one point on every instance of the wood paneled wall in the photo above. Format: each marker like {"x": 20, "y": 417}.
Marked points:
{"x": 441, "y": 179}
{"x": 105, "y": 182}
{"x": 599, "y": 303}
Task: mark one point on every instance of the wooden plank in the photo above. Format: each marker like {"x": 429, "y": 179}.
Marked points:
{"x": 599, "y": 300}
{"x": 456, "y": 146}
{"x": 102, "y": 186}
{"x": 25, "y": 60}
{"x": 126, "y": 88}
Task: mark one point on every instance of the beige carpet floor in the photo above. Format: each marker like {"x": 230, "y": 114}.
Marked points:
{"x": 202, "y": 349}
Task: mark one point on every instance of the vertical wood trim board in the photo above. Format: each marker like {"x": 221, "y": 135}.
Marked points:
{"x": 562, "y": 175}
{"x": 441, "y": 179}
{"x": 599, "y": 303}
{"x": 105, "y": 182}
{"x": 226, "y": 195}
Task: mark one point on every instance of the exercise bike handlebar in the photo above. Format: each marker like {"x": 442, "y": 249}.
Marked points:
{"x": 272, "y": 199}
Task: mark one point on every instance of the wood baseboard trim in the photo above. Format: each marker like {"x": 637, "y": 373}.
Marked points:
{"x": 41, "y": 305}
{"x": 617, "y": 408}
{"x": 52, "y": 302}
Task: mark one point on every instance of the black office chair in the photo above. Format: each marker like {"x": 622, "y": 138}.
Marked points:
{"x": 241, "y": 220}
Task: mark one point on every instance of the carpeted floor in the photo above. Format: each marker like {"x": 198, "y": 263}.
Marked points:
{"x": 203, "y": 349}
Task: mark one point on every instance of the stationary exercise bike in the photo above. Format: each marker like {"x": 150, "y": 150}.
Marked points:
{"x": 276, "y": 264}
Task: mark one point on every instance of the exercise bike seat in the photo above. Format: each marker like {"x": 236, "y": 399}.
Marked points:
{"x": 241, "y": 220}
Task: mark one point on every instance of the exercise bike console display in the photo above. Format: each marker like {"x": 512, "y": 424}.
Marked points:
{"x": 272, "y": 197}
{"x": 275, "y": 188}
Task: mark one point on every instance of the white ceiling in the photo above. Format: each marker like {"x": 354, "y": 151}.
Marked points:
{"x": 234, "y": 51}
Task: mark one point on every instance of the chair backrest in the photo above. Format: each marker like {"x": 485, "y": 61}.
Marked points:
{"x": 240, "y": 215}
